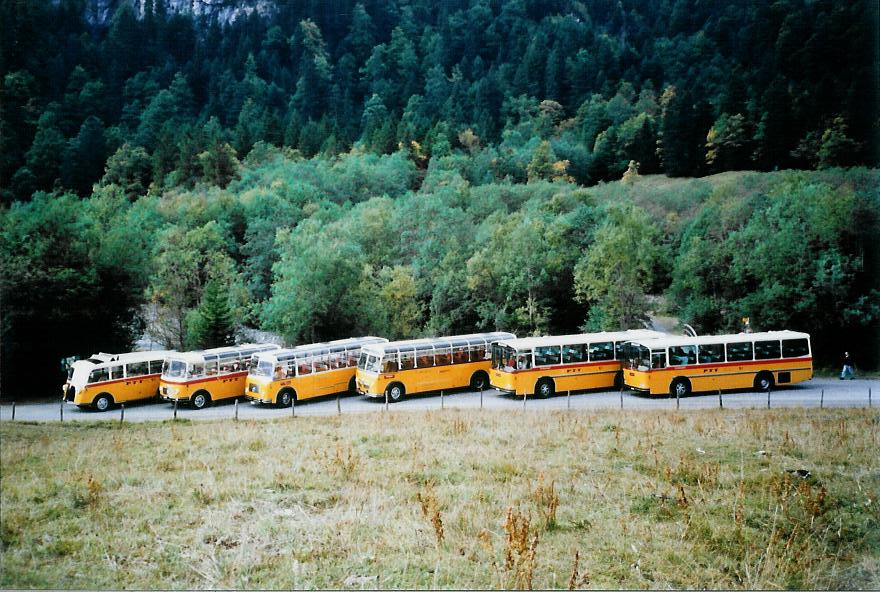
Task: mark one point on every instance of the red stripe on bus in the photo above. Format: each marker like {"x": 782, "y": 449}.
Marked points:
{"x": 211, "y": 379}
{"x": 558, "y": 367}
{"x": 114, "y": 381}
{"x": 728, "y": 364}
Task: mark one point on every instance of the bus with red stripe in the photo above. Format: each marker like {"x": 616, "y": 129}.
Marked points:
{"x": 104, "y": 380}
{"x": 543, "y": 366}
{"x": 204, "y": 376}
{"x": 680, "y": 365}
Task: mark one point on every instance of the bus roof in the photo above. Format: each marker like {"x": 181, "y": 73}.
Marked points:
{"x": 245, "y": 350}
{"x": 128, "y": 357}
{"x": 338, "y": 345}
{"x": 552, "y": 340}
{"x": 452, "y": 340}
{"x": 673, "y": 340}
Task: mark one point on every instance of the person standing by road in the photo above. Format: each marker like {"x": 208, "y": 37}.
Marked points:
{"x": 848, "y": 370}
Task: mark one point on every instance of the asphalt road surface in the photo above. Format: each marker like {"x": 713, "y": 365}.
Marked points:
{"x": 849, "y": 393}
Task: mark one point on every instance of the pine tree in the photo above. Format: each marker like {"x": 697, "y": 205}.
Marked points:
{"x": 213, "y": 324}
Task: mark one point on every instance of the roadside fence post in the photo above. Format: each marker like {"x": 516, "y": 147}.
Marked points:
{"x": 481, "y": 399}
{"x": 568, "y": 399}
{"x": 121, "y": 412}
{"x": 293, "y": 406}
{"x": 441, "y": 400}
{"x": 175, "y": 409}
{"x": 822, "y": 399}
{"x": 61, "y": 410}
{"x": 869, "y": 397}
{"x": 386, "y": 400}
{"x": 236, "y": 410}
{"x": 768, "y": 397}
{"x": 338, "y": 405}
{"x": 13, "y": 411}
{"x": 524, "y": 401}
{"x": 621, "y": 398}
{"x": 677, "y": 403}
{"x": 720, "y": 402}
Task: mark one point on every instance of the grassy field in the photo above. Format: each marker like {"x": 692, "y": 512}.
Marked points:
{"x": 448, "y": 499}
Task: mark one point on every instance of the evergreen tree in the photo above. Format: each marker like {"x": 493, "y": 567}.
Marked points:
{"x": 213, "y": 324}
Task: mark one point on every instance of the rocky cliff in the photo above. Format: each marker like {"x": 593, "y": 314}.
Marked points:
{"x": 99, "y": 12}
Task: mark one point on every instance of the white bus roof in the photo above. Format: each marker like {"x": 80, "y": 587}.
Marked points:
{"x": 338, "y": 345}
{"x": 673, "y": 340}
{"x": 552, "y": 340}
{"x": 245, "y": 350}
{"x": 127, "y": 358}
{"x": 450, "y": 341}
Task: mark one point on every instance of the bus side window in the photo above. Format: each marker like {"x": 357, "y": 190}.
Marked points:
{"x": 739, "y": 352}
{"x": 658, "y": 358}
{"x": 682, "y": 355}
{"x": 196, "y": 370}
{"x": 547, "y": 356}
{"x": 599, "y": 352}
{"x": 156, "y": 366}
{"x": 407, "y": 360}
{"x": 211, "y": 367}
{"x": 443, "y": 356}
{"x": 767, "y": 350}
{"x": 573, "y": 354}
{"x": 389, "y": 363}
{"x": 795, "y": 348}
{"x": 305, "y": 366}
{"x": 115, "y": 372}
{"x": 137, "y": 369}
{"x": 711, "y": 353}
{"x": 99, "y": 375}
{"x": 480, "y": 352}
{"x": 460, "y": 354}
{"x": 523, "y": 360}
{"x": 424, "y": 358}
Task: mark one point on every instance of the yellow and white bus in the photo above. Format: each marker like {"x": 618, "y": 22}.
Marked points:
{"x": 682, "y": 365}
{"x": 200, "y": 377}
{"x": 286, "y": 375}
{"x": 543, "y": 366}
{"x": 107, "y": 379}
{"x": 399, "y": 368}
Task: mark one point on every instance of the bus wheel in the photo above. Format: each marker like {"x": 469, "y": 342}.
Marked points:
{"x": 681, "y": 387}
{"x": 545, "y": 388}
{"x": 102, "y": 402}
{"x": 764, "y": 381}
{"x": 479, "y": 381}
{"x": 395, "y": 392}
{"x": 201, "y": 400}
{"x": 285, "y": 398}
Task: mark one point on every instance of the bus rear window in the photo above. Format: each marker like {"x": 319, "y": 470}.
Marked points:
{"x": 739, "y": 352}
{"x": 767, "y": 350}
{"x": 795, "y": 348}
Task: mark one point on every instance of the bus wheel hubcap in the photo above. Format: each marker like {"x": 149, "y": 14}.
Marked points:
{"x": 200, "y": 401}
{"x": 103, "y": 403}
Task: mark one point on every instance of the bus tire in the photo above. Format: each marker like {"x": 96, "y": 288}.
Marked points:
{"x": 395, "y": 392}
{"x": 201, "y": 400}
{"x": 680, "y": 387}
{"x": 479, "y": 381}
{"x": 545, "y": 388}
{"x": 764, "y": 381}
{"x": 102, "y": 402}
{"x": 285, "y": 398}
{"x": 352, "y": 386}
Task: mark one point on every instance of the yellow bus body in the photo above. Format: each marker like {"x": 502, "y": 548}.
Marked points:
{"x": 450, "y": 370}
{"x": 123, "y": 378}
{"x": 723, "y": 375}
{"x": 227, "y": 386}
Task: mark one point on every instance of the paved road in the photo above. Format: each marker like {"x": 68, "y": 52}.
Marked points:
{"x": 851, "y": 393}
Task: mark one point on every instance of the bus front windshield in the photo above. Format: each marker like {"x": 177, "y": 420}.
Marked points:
{"x": 637, "y": 357}
{"x": 174, "y": 369}
{"x": 258, "y": 367}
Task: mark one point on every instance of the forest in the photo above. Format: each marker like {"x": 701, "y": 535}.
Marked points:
{"x": 406, "y": 168}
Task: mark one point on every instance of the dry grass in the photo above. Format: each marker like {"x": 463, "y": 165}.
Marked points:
{"x": 447, "y": 499}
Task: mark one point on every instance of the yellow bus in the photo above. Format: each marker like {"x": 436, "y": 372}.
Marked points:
{"x": 399, "y": 368}
{"x": 682, "y": 365}
{"x": 543, "y": 366}
{"x": 286, "y": 375}
{"x": 104, "y": 380}
{"x": 200, "y": 377}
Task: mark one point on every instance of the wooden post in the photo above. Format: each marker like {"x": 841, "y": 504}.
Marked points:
{"x": 720, "y": 402}
{"x": 524, "y": 401}
{"x": 869, "y": 397}
{"x": 338, "y": 405}
{"x": 568, "y": 399}
{"x": 175, "y": 408}
{"x": 822, "y": 399}
{"x": 621, "y": 398}
{"x": 768, "y": 398}
{"x": 13, "y": 411}
{"x": 386, "y": 400}
{"x": 236, "y": 410}
{"x": 441, "y": 400}
{"x": 121, "y": 412}
{"x": 293, "y": 406}
{"x": 677, "y": 400}
{"x": 481, "y": 399}
{"x": 61, "y": 410}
